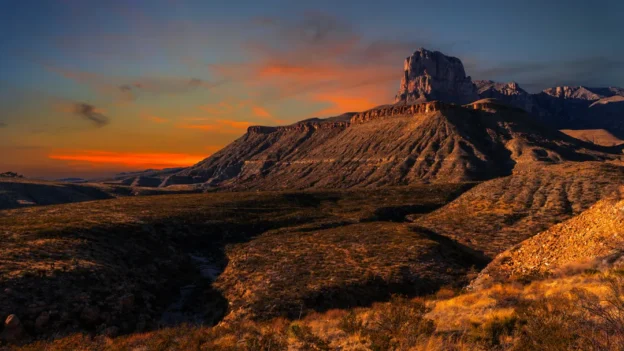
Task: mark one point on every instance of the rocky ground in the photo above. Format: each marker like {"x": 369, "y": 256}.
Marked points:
{"x": 591, "y": 240}
{"x": 498, "y": 214}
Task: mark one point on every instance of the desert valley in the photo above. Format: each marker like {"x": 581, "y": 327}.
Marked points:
{"x": 187, "y": 175}
{"x": 464, "y": 216}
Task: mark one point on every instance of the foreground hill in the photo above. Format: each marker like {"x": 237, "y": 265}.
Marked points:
{"x": 500, "y": 213}
{"x": 23, "y": 192}
{"x": 136, "y": 263}
{"x": 595, "y": 237}
{"x": 393, "y": 145}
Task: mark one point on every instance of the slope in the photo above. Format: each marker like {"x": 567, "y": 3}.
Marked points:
{"x": 500, "y": 213}
{"x": 596, "y": 236}
{"x": 392, "y": 145}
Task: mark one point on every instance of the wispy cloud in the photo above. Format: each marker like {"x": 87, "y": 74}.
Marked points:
{"x": 3, "y": 125}
{"x": 152, "y": 118}
{"x": 261, "y": 112}
{"x": 223, "y": 126}
{"x": 130, "y": 88}
{"x": 312, "y": 56}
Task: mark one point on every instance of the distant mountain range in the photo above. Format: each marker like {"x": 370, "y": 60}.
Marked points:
{"x": 442, "y": 127}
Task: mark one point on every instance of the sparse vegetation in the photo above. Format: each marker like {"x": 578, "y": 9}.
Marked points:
{"x": 73, "y": 261}
{"x": 316, "y": 270}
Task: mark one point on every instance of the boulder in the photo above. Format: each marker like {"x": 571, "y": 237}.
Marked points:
{"x": 13, "y": 329}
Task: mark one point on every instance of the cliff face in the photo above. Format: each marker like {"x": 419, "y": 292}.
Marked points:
{"x": 431, "y": 75}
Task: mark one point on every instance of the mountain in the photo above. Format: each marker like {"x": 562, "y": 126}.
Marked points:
{"x": 391, "y": 145}
{"x": 437, "y": 131}
{"x": 431, "y": 75}
{"x": 565, "y": 107}
{"x": 510, "y": 93}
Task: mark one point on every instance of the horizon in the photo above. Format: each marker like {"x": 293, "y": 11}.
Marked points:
{"x": 91, "y": 89}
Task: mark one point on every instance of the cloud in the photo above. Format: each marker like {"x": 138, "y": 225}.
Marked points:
{"x": 313, "y": 56}
{"x": 223, "y": 126}
{"x": 3, "y": 125}
{"x": 90, "y": 113}
{"x": 261, "y": 112}
{"x": 145, "y": 160}
{"x": 152, "y": 118}
{"x": 344, "y": 102}
{"x": 130, "y": 88}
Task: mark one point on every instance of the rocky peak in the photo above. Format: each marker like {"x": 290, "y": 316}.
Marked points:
{"x": 511, "y": 93}
{"x": 567, "y": 92}
{"x": 431, "y": 75}
{"x": 510, "y": 88}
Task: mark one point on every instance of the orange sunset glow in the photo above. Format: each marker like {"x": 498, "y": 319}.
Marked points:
{"x": 144, "y": 160}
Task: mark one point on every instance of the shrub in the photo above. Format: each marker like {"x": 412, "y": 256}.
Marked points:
{"x": 492, "y": 332}
{"x": 350, "y": 323}
{"x": 267, "y": 341}
{"x": 308, "y": 339}
{"x": 399, "y": 324}
{"x": 581, "y": 321}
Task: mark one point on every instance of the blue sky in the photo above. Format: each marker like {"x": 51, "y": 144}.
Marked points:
{"x": 178, "y": 79}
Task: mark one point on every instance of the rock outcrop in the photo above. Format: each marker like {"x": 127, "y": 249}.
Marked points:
{"x": 431, "y": 75}
{"x": 13, "y": 329}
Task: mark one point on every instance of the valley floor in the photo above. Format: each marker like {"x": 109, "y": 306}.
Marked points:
{"x": 366, "y": 269}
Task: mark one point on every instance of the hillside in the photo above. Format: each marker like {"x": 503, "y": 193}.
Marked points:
{"x": 596, "y": 136}
{"x": 392, "y": 145}
{"x": 593, "y": 238}
{"x": 498, "y": 214}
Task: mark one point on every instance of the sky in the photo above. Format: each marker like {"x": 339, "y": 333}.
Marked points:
{"x": 92, "y": 88}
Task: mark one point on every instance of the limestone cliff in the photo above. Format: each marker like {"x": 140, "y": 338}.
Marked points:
{"x": 431, "y": 75}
